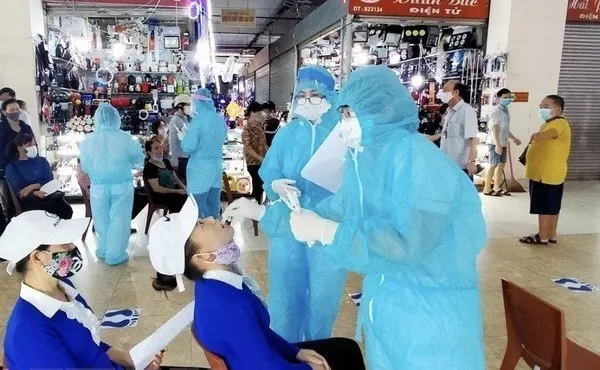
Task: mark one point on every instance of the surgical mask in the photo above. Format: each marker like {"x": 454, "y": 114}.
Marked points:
{"x": 13, "y": 116}
{"x": 187, "y": 110}
{"x": 506, "y": 102}
{"x": 351, "y": 132}
{"x": 31, "y": 151}
{"x": 445, "y": 97}
{"x": 313, "y": 112}
{"x": 64, "y": 264}
{"x": 156, "y": 158}
{"x": 228, "y": 254}
{"x": 545, "y": 113}
{"x": 162, "y": 131}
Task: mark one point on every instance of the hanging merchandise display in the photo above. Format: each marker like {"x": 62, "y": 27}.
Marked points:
{"x": 580, "y": 68}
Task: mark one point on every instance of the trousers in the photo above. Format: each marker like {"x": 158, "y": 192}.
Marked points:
{"x": 340, "y": 353}
{"x": 209, "y": 203}
{"x": 54, "y": 203}
{"x": 112, "y": 207}
{"x": 306, "y": 289}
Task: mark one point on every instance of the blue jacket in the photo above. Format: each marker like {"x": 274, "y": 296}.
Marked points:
{"x": 234, "y": 324}
{"x": 34, "y": 340}
{"x": 20, "y": 174}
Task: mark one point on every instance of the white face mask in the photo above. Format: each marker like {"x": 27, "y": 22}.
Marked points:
{"x": 187, "y": 110}
{"x": 445, "y": 97}
{"x": 162, "y": 131}
{"x": 32, "y": 151}
{"x": 313, "y": 112}
{"x": 351, "y": 132}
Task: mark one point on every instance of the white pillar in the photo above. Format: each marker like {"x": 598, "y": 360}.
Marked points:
{"x": 532, "y": 33}
{"x": 21, "y": 20}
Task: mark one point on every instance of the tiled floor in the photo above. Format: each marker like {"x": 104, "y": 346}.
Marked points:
{"x": 576, "y": 255}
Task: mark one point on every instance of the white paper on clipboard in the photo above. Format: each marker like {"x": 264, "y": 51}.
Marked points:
{"x": 326, "y": 167}
{"x": 52, "y": 187}
{"x": 143, "y": 353}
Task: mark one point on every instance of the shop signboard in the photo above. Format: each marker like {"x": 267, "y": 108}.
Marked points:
{"x": 583, "y": 11}
{"x": 520, "y": 97}
{"x": 238, "y": 17}
{"x": 162, "y": 3}
{"x": 461, "y": 9}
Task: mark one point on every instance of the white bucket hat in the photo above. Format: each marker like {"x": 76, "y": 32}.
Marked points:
{"x": 167, "y": 239}
{"x": 29, "y": 230}
{"x": 182, "y": 99}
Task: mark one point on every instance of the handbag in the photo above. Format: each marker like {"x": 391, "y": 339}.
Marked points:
{"x": 523, "y": 156}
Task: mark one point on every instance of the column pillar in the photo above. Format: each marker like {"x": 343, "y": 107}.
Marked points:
{"x": 532, "y": 33}
{"x": 21, "y": 20}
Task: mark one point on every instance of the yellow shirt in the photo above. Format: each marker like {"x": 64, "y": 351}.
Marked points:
{"x": 547, "y": 160}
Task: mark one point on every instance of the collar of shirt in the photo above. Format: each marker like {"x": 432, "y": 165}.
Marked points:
{"x": 44, "y": 303}
{"x": 226, "y": 277}
{"x": 458, "y": 105}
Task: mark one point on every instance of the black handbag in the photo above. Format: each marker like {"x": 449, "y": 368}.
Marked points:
{"x": 523, "y": 156}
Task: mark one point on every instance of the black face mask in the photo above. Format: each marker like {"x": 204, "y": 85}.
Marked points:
{"x": 64, "y": 264}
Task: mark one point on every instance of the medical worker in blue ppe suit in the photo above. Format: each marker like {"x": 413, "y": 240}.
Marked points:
{"x": 306, "y": 285}
{"x": 411, "y": 222}
{"x": 108, "y": 155}
{"x": 204, "y": 143}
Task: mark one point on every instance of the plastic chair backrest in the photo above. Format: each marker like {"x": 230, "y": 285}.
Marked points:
{"x": 214, "y": 361}
{"x": 15, "y": 200}
{"x": 537, "y": 326}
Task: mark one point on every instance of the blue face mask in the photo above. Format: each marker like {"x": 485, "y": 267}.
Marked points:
{"x": 545, "y": 113}
{"x": 506, "y": 102}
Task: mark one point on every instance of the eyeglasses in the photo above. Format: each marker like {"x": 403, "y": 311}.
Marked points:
{"x": 313, "y": 100}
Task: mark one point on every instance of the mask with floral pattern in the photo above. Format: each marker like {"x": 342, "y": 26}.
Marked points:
{"x": 64, "y": 264}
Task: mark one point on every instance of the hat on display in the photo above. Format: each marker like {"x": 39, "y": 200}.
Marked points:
{"x": 182, "y": 99}
{"x": 26, "y": 232}
{"x": 167, "y": 239}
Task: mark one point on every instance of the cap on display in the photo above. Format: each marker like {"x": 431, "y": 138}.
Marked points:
{"x": 29, "y": 230}
{"x": 167, "y": 239}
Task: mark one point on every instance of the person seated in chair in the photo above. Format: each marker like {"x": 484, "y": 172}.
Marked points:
{"x": 27, "y": 173}
{"x": 166, "y": 190}
{"x": 230, "y": 318}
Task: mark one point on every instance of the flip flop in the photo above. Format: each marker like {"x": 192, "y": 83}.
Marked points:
{"x": 532, "y": 239}
{"x": 552, "y": 241}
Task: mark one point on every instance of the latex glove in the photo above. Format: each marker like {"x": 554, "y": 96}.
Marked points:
{"x": 309, "y": 227}
{"x": 181, "y": 133}
{"x": 245, "y": 208}
{"x": 283, "y": 186}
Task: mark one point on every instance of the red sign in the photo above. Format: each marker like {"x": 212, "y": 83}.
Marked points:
{"x": 583, "y": 11}
{"x": 462, "y": 9}
{"x": 520, "y": 97}
{"x": 152, "y": 4}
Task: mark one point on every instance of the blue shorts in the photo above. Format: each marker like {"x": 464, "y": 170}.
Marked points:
{"x": 545, "y": 199}
{"x": 496, "y": 159}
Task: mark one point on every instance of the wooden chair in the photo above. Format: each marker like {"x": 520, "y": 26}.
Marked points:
{"x": 85, "y": 194}
{"x": 151, "y": 206}
{"x": 537, "y": 334}
{"x": 15, "y": 200}
{"x": 214, "y": 361}
{"x": 231, "y": 196}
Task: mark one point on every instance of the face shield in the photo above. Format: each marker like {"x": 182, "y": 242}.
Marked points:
{"x": 350, "y": 127}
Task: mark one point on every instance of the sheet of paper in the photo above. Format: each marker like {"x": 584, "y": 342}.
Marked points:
{"x": 143, "y": 353}
{"x": 326, "y": 167}
{"x": 52, "y": 187}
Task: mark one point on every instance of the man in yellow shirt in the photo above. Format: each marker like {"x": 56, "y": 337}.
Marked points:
{"x": 546, "y": 169}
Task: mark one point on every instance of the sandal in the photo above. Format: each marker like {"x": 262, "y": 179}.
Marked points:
{"x": 493, "y": 194}
{"x": 501, "y": 192}
{"x": 552, "y": 241}
{"x": 533, "y": 239}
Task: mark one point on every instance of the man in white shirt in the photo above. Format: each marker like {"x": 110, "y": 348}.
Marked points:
{"x": 497, "y": 141}
{"x": 459, "y": 135}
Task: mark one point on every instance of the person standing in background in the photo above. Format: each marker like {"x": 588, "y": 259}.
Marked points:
{"x": 178, "y": 125}
{"x": 546, "y": 168}
{"x": 459, "y": 135}
{"x": 272, "y": 122}
{"x": 108, "y": 156}
{"x": 204, "y": 143}
{"x": 8, "y": 93}
{"x": 497, "y": 141}
{"x": 255, "y": 146}
{"x": 10, "y": 126}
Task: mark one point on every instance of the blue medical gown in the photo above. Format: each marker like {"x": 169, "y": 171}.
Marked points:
{"x": 204, "y": 143}
{"x": 411, "y": 222}
{"x": 306, "y": 286}
{"x": 108, "y": 155}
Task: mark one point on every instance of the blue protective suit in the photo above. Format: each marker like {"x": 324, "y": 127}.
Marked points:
{"x": 306, "y": 286}
{"x": 108, "y": 155}
{"x": 411, "y": 222}
{"x": 204, "y": 143}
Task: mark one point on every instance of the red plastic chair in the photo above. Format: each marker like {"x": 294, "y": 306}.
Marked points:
{"x": 152, "y": 207}
{"x": 537, "y": 334}
{"x": 214, "y": 361}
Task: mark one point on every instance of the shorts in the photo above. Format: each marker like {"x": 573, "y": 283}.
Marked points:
{"x": 496, "y": 159}
{"x": 545, "y": 199}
